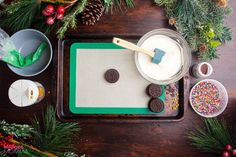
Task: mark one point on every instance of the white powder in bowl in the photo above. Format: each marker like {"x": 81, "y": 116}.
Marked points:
{"x": 171, "y": 62}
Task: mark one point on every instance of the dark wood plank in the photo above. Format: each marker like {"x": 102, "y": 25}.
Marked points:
{"x": 145, "y": 17}
{"x": 140, "y": 139}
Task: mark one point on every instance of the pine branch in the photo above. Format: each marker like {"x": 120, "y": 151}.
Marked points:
{"x": 213, "y": 138}
{"x": 224, "y": 34}
{"x": 53, "y": 136}
{"x": 129, "y": 3}
{"x": 18, "y": 130}
{"x": 70, "y": 20}
{"x": 193, "y": 15}
{"x": 44, "y": 27}
{"x": 209, "y": 55}
{"x": 168, "y": 4}
{"x": 110, "y": 5}
{"x": 190, "y": 14}
{"x": 20, "y": 14}
{"x": 29, "y": 153}
{"x": 165, "y": 2}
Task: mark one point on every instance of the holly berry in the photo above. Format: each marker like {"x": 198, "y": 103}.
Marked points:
{"x": 226, "y": 154}
{"x": 61, "y": 9}
{"x": 49, "y": 9}
{"x": 46, "y": 13}
{"x": 228, "y": 147}
{"x": 234, "y": 152}
{"x": 50, "y": 20}
{"x": 9, "y": 137}
{"x": 60, "y": 16}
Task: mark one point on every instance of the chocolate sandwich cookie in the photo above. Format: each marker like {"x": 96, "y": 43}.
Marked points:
{"x": 111, "y": 75}
{"x": 154, "y": 90}
{"x": 156, "y": 105}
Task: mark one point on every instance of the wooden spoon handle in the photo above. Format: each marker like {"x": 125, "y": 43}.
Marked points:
{"x": 131, "y": 46}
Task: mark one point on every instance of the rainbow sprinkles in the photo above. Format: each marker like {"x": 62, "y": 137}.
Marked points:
{"x": 208, "y": 99}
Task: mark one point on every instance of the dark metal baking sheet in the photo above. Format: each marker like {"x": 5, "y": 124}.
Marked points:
{"x": 61, "y": 98}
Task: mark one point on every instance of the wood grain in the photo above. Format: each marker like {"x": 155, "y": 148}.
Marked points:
{"x": 117, "y": 139}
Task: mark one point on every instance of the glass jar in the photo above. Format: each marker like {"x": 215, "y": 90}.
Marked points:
{"x": 24, "y": 93}
{"x": 184, "y": 57}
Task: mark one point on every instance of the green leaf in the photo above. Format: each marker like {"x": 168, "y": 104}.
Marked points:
{"x": 210, "y": 34}
{"x": 214, "y": 43}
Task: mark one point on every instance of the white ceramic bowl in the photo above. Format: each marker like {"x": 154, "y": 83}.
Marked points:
{"x": 27, "y": 41}
{"x": 223, "y": 95}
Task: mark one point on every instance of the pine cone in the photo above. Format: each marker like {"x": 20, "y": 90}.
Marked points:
{"x": 202, "y": 48}
{"x": 92, "y": 12}
{"x": 172, "y": 21}
{"x": 222, "y": 3}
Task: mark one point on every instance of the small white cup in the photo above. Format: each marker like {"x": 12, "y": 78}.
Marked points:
{"x": 202, "y": 69}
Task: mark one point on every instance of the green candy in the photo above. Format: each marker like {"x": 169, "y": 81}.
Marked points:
{"x": 15, "y": 59}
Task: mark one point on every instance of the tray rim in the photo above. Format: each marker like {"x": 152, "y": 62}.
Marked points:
{"x": 59, "y": 96}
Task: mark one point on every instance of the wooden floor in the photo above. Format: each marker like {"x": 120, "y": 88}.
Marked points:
{"x": 116, "y": 139}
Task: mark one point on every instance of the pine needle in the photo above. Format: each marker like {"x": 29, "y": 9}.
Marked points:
{"x": 20, "y": 14}
{"x": 53, "y": 136}
{"x": 18, "y": 130}
{"x": 193, "y": 15}
{"x": 110, "y": 5}
{"x": 70, "y": 20}
{"x": 213, "y": 138}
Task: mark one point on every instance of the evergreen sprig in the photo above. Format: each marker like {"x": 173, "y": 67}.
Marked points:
{"x": 110, "y": 5}
{"x": 193, "y": 15}
{"x": 54, "y": 136}
{"x": 70, "y": 20}
{"x": 46, "y": 137}
{"x": 213, "y": 137}
{"x": 26, "y": 152}
{"x": 20, "y": 14}
{"x": 18, "y": 130}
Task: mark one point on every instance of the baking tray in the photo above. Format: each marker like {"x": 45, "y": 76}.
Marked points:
{"x": 62, "y": 97}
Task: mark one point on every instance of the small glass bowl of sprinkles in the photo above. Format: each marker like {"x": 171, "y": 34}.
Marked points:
{"x": 208, "y": 98}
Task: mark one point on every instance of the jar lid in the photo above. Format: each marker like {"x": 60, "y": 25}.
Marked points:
{"x": 23, "y": 93}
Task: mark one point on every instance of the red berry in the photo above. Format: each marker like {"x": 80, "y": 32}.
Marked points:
{"x": 9, "y": 137}
{"x": 60, "y": 16}
{"x": 49, "y": 9}
{"x": 50, "y": 20}
{"x": 61, "y": 9}
{"x": 46, "y": 13}
{"x": 228, "y": 147}
{"x": 226, "y": 154}
{"x": 234, "y": 152}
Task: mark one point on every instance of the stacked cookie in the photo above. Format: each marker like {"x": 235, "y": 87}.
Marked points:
{"x": 155, "y": 104}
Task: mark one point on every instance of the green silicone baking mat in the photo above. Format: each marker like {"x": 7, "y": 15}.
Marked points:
{"x": 90, "y": 93}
